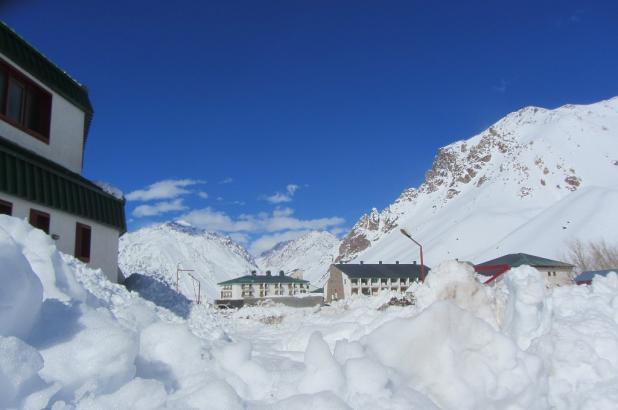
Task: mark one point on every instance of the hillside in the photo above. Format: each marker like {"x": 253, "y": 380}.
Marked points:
{"x": 531, "y": 182}
{"x": 160, "y": 249}
{"x": 312, "y": 253}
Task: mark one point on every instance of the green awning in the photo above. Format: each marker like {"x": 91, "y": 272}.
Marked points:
{"x": 33, "y": 178}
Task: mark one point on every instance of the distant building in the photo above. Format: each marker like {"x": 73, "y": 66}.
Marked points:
{"x": 585, "y": 278}
{"x": 250, "y": 289}
{"x": 345, "y": 280}
{"x": 44, "y": 120}
{"x": 555, "y": 273}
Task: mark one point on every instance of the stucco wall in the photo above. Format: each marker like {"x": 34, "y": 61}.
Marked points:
{"x": 66, "y": 130}
{"x": 104, "y": 241}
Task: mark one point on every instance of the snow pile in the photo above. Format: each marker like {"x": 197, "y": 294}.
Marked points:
{"x": 69, "y": 339}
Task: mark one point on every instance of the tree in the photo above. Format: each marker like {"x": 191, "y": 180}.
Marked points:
{"x": 594, "y": 255}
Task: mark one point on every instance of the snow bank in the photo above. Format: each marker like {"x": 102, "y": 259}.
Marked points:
{"x": 69, "y": 339}
{"x": 21, "y": 293}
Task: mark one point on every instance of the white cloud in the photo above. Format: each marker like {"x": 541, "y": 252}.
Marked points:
{"x": 227, "y": 180}
{"x": 203, "y": 195}
{"x": 159, "y": 208}
{"x": 166, "y": 189}
{"x": 266, "y": 242}
{"x": 280, "y": 220}
{"x": 279, "y": 197}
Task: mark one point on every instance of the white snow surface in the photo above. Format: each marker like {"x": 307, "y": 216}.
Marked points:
{"x": 311, "y": 253}
{"x": 91, "y": 344}
{"x": 159, "y": 250}
{"x": 530, "y": 183}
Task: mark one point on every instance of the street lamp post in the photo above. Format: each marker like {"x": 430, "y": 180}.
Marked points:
{"x": 405, "y": 233}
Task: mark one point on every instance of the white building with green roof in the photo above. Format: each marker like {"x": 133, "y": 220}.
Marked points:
{"x": 254, "y": 287}
{"x": 45, "y": 116}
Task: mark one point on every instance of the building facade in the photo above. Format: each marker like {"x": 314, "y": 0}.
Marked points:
{"x": 44, "y": 120}
{"x": 254, "y": 286}
{"x": 554, "y": 273}
{"x": 346, "y": 280}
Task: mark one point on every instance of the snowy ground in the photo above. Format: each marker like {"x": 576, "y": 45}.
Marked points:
{"x": 69, "y": 339}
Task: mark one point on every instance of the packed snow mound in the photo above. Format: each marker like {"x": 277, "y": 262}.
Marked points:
{"x": 311, "y": 254}
{"x": 530, "y": 183}
{"x": 96, "y": 345}
{"x": 160, "y": 250}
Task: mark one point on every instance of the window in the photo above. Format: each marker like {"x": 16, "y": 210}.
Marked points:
{"x": 39, "y": 220}
{"x": 83, "y": 236}
{"x": 24, "y": 104}
{"x": 6, "y": 208}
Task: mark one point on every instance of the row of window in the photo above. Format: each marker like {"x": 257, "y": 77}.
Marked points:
{"x": 41, "y": 220}
{"x": 24, "y": 104}
{"x": 384, "y": 281}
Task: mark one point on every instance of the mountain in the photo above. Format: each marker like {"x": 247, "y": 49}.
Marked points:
{"x": 531, "y": 182}
{"x": 311, "y": 253}
{"x": 159, "y": 250}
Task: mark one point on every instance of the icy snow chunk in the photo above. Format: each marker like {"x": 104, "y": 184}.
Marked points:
{"x": 459, "y": 360}
{"x": 250, "y": 379}
{"x": 365, "y": 376}
{"x": 40, "y": 250}
{"x": 19, "y": 367}
{"x": 170, "y": 352}
{"x": 322, "y": 371}
{"x": 453, "y": 280}
{"x": 21, "y": 291}
{"x": 527, "y": 314}
{"x": 98, "y": 356}
{"x": 138, "y": 394}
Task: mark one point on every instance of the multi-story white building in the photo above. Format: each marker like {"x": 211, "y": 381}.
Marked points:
{"x": 254, "y": 287}
{"x": 345, "y": 279}
{"x": 44, "y": 120}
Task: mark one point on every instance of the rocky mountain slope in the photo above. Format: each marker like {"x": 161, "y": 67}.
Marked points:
{"x": 160, "y": 249}
{"x": 312, "y": 254}
{"x": 531, "y": 182}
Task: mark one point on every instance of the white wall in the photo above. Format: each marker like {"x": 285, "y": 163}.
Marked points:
{"x": 66, "y": 131}
{"x": 104, "y": 240}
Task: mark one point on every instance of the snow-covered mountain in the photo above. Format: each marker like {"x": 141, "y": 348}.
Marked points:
{"x": 311, "y": 253}
{"x": 531, "y": 182}
{"x": 160, "y": 250}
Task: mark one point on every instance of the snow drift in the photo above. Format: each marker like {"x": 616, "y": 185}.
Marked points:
{"x": 69, "y": 339}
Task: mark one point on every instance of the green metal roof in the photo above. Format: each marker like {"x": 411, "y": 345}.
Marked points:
{"x": 253, "y": 279}
{"x": 41, "y": 68}
{"x": 518, "y": 259}
{"x": 33, "y": 178}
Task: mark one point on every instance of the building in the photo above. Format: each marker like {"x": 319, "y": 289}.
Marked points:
{"x": 44, "y": 120}
{"x": 250, "y": 289}
{"x": 585, "y": 278}
{"x": 555, "y": 273}
{"x": 345, "y": 280}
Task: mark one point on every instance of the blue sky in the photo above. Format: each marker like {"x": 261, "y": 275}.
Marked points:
{"x": 264, "y": 119}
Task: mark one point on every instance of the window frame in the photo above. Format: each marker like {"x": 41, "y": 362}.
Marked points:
{"x": 6, "y": 204}
{"x": 35, "y": 213}
{"x": 29, "y": 87}
{"x": 79, "y": 230}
